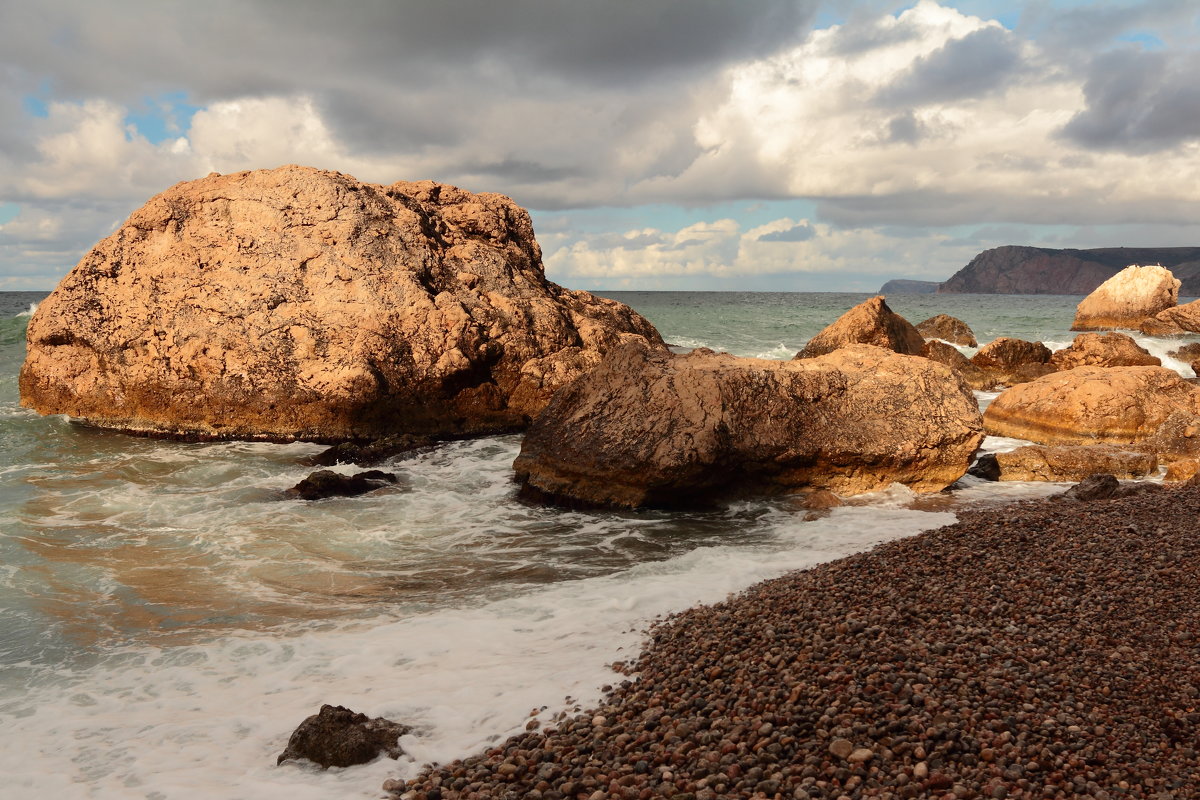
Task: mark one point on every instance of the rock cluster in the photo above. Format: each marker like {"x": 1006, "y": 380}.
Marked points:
{"x": 1037, "y": 462}
{"x": 1046, "y": 650}
{"x": 296, "y": 303}
{"x": 648, "y": 428}
{"x": 1110, "y": 349}
{"x": 1174, "y": 321}
{"x": 1127, "y": 298}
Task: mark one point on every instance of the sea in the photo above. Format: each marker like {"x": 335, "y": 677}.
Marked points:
{"x": 167, "y": 616}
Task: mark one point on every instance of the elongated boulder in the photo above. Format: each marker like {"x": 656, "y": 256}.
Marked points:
{"x": 1110, "y": 349}
{"x": 648, "y": 428}
{"x": 1038, "y": 462}
{"x": 1127, "y": 298}
{"x": 948, "y": 329}
{"x": 1174, "y": 321}
{"x": 1119, "y": 405}
{"x": 869, "y": 322}
{"x": 296, "y": 303}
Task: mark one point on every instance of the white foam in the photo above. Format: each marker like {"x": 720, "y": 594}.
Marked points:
{"x": 32, "y": 308}
{"x": 207, "y": 720}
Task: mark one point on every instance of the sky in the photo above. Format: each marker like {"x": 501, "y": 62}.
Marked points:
{"x": 775, "y": 145}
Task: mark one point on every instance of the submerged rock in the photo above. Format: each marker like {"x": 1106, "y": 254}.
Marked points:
{"x": 869, "y": 322}
{"x": 1119, "y": 405}
{"x": 367, "y": 454}
{"x": 327, "y": 483}
{"x": 1110, "y": 349}
{"x": 1127, "y": 298}
{"x": 296, "y": 303}
{"x": 647, "y": 428}
{"x": 948, "y": 329}
{"x": 339, "y": 737}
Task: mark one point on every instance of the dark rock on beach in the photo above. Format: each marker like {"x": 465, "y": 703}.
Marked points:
{"x": 327, "y": 483}
{"x": 339, "y": 737}
{"x": 1041, "y": 650}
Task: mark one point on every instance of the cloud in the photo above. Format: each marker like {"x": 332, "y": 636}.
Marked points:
{"x": 797, "y": 233}
{"x": 1139, "y": 102}
{"x": 982, "y": 61}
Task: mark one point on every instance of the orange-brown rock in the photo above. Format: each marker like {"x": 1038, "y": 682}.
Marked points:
{"x": 1119, "y": 405}
{"x": 1127, "y": 298}
{"x": 1007, "y": 361}
{"x": 869, "y": 322}
{"x": 1184, "y": 470}
{"x": 1038, "y": 462}
{"x": 296, "y": 303}
{"x": 948, "y": 329}
{"x": 1178, "y": 437}
{"x": 1110, "y": 349}
{"x": 953, "y": 358}
{"x": 1174, "y": 321}
{"x": 648, "y": 428}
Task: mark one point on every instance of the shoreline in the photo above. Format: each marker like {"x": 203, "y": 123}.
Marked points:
{"x": 1045, "y": 648}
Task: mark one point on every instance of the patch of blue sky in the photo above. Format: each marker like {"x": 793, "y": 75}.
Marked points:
{"x": 35, "y": 106}
{"x": 1147, "y": 39}
{"x": 166, "y": 116}
{"x": 8, "y": 212}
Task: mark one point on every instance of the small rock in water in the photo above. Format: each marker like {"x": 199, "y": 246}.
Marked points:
{"x": 986, "y": 467}
{"x": 368, "y": 454}
{"x": 327, "y": 483}
{"x": 339, "y": 737}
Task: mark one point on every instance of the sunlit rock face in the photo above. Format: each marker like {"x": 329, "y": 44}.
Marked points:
{"x": 297, "y": 303}
{"x": 1127, "y": 298}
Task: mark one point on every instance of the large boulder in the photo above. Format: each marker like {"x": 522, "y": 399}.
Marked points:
{"x": 1007, "y": 361}
{"x": 1119, "y": 405}
{"x": 1174, "y": 321}
{"x": 1038, "y": 462}
{"x": 1110, "y": 349}
{"x": 339, "y": 737}
{"x": 953, "y": 358}
{"x": 869, "y": 322}
{"x": 1127, "y": 298}
{"x": 948, "y": 329}
{"x": 648, "y": 428}
{"x": 296, "y": 303}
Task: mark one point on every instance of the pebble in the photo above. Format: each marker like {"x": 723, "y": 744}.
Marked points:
{"x": 1037, "y": 650}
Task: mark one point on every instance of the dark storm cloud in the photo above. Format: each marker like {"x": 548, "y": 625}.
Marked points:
{"x": 1140, "y": 102}
{"x": 225, "y": 48}
{"x": 978, "y": 63}
{"x": 797, "y": 233}
{"x": 932, "y": 207}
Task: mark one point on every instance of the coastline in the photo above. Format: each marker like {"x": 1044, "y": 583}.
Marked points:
{"x": 1043, "y": 649}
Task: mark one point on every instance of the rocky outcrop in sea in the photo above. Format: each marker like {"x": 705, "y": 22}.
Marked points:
{"x": 297, "y": 303}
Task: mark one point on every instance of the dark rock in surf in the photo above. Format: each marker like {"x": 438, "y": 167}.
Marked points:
{"x": 368, "y": 454}
{"x": 986, "y": 467}
{"x": 339, "y": 737}
{"x": 1093, "y": 487}
{"x": 327, "y": 483}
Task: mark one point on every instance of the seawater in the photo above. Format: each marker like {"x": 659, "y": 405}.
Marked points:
{"x": 168, "y": 618}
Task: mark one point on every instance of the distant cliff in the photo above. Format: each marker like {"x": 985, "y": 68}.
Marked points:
{"x": 1042, "y": 270}
{"x": 904, "y": 286}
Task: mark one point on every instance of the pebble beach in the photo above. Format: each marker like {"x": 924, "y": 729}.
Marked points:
{"x": 1045, "y": 649}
